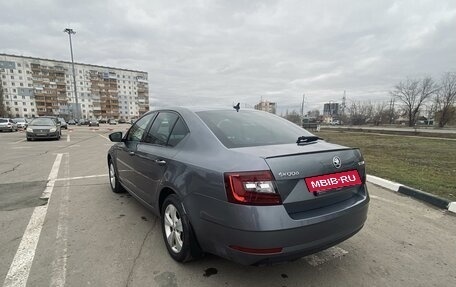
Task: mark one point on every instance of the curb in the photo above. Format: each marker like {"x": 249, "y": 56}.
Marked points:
{"x": 415, "y": 193}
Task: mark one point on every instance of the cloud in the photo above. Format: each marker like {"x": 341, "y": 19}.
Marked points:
{"x": 219, "y": 52}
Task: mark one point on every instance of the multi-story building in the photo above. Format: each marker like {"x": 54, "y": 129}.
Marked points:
{"x": 266, "y": 106}
{"x": 37, "y": 87}
{"x": 331, "y": 109}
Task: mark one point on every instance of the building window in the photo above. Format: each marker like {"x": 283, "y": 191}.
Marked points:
{"x": 12, "y": 77}
{"x": 25, "y": 109}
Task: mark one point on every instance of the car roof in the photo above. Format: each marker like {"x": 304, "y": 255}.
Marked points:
{"x": 197, "y": 109}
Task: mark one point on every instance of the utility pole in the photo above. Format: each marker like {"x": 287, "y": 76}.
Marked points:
{"x": 70, "y": 32}
{"x": 391, "y": 112}
{"x": 302, "y": 105}
{"x": 344, "y": 99}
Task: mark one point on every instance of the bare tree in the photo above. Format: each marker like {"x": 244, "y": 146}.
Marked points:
{"x": 294, "y": 117}
{"x": 359, "y": 113}
{"x": 446, "y": 99}
{"x": 413, "y": 94}
{"x": 380, "y": 114}
{"x": 2, "y": 103}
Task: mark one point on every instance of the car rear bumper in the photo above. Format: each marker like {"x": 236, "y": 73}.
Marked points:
{"x": 266, "y": 228}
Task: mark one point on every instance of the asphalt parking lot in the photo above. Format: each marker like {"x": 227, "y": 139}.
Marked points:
{"x": 89, "y": 236}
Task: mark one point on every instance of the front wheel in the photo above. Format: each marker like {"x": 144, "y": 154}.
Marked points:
{"x": 116, "y": 187}
{"x": 177, "y": 231}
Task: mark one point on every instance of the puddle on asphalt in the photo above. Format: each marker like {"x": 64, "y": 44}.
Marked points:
{"x": 209, "y": 272}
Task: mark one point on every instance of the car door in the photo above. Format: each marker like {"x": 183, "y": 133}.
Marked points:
{"x": 126, "y": 154}
{"x": 157, "y": 150}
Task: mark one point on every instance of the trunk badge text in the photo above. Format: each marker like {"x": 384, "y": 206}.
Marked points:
{"x": 337, "y": 162}
{"x": 288, "y": 173}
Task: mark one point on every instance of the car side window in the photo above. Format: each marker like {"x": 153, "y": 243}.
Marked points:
{"x": 161, "y": 128}
{"x": 137, "y": 130}
{"x": 178, "y": 133}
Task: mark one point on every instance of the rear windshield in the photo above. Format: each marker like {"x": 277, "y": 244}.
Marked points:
{"x": 251, "y": 128}
{"x": 3, "y": 121}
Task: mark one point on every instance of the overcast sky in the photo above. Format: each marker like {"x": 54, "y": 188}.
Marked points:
{"x": 219, "y": 52}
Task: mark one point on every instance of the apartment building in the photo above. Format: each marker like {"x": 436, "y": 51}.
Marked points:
{"x": 266, "y": 106}
{"x": 37, "y": 87}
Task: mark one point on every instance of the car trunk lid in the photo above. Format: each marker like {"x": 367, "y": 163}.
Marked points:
{"x": 292, "y": 164}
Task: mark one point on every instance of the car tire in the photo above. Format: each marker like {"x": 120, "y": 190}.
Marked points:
{"x": 29, "y": 139}
{"x": 177, "y": 231}
{"x": 114, "y": 183}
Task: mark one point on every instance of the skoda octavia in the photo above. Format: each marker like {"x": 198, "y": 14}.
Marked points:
{"x": 242, "y": 184}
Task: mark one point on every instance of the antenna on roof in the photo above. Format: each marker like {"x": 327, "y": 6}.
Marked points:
{"x": 237, "y": 107}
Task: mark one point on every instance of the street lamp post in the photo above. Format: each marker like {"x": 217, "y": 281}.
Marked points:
{"x": 71, "y": 31}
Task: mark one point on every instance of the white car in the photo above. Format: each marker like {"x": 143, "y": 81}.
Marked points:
{"x": 20, "y": 122}
{"x": 7, "y": 124}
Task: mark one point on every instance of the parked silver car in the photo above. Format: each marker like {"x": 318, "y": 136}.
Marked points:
{"x": 7, "y": 125}
{"x": 248, "y": 186}
{"x": 20, "y": 122}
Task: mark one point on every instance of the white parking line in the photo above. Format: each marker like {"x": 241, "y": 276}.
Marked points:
{"x": 21, "y": 147}
{"x": 22, "y": 140}
{"x": 20, "y": 267}
{"x": 68, "y": 137}
{"x": 81, "y": 177}
{"x": 59, "y": 265}
{"x": 104, "y": 137}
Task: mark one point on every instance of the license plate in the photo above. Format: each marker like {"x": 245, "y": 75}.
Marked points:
{"x": 333, "y": 181}
{"x": 39, "y": 134}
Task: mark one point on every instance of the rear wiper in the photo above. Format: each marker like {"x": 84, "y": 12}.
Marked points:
{"x": 305, "y": 140}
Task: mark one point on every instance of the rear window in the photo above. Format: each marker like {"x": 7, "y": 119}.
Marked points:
{"x": 3, "y": 121}
{"x": 251, "y": 128}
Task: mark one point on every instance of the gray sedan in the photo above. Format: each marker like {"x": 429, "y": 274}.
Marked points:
{"x": 245, "y": 185}
{"x": 43, "y": 128}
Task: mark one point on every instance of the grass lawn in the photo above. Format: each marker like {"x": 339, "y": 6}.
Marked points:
{"x": 423, "y": 163}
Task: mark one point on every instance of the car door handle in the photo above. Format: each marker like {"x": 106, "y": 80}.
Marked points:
{"x": 160, "y": 162}
{"x": 131, "y": 153}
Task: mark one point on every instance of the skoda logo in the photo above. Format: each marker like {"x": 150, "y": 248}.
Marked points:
{"x": 337, "y": 162}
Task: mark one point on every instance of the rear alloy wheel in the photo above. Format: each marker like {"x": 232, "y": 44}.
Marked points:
{"x": 116, "y": 187}
{"x": 177, "y": 231}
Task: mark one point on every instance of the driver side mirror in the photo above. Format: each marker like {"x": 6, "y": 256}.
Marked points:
{"x": 116, "y": 137}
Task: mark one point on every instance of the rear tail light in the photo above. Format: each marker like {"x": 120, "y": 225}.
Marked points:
{"x": 252, "y": 188}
